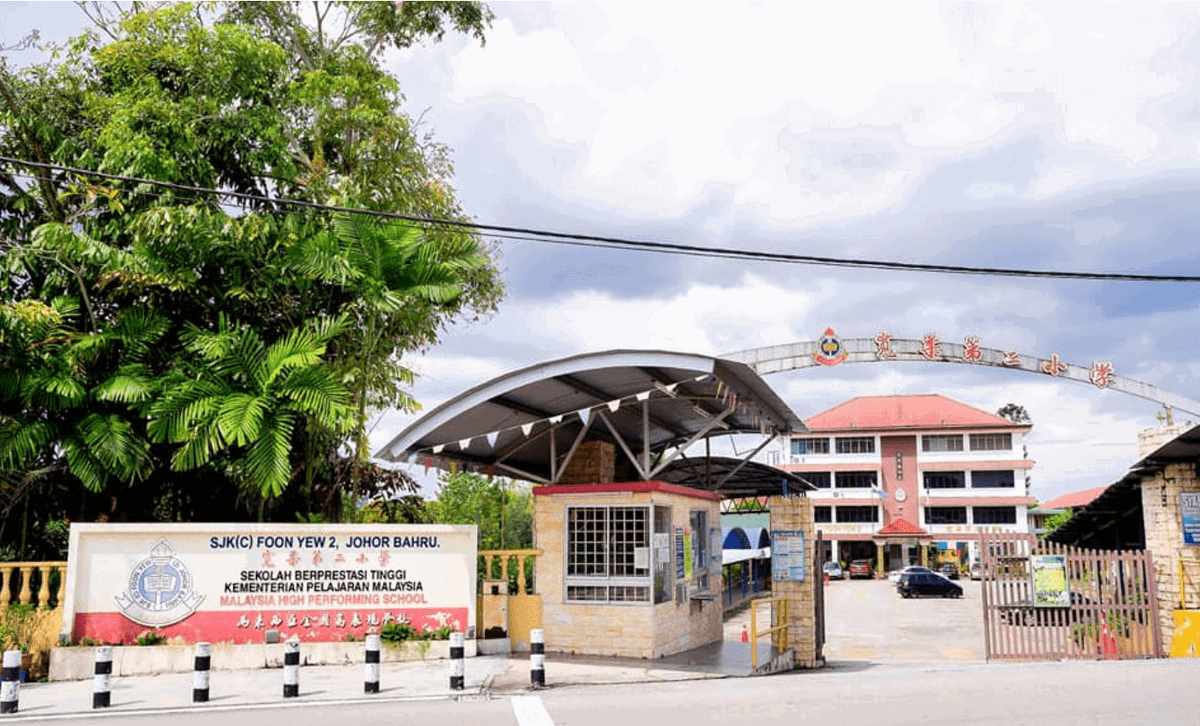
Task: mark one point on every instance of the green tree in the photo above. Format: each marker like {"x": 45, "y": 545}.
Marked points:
{"x": 501, "y": 509}
{"x": 1014, "y": 412}
{"x": 182, "y": 354}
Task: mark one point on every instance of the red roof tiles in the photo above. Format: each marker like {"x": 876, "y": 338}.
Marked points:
{"x": 1073, "y": 499}
{"x": 902, "y": 526}
{"x": 923, "y": 411}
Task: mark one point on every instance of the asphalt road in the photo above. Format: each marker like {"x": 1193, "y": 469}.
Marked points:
{"x": 867, "y": 622}
{"x": 1161, "y": 692}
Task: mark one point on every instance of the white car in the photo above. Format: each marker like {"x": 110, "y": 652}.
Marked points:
{"x": 834, "y": 570}
{"x": 894, "y": 575}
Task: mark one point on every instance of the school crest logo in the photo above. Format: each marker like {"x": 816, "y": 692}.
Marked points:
{"x": 829, "y": 349}
{"x": 159, "y": 591}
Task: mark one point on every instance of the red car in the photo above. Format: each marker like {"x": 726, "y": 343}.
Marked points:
{"x": 860, "y": 568}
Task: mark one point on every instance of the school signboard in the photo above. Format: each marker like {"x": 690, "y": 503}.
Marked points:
{"x": 233, "y": 582}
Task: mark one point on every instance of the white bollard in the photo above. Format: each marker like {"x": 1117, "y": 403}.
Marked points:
{"x": 102, "y": 677}
{"x": 200, "y": 674}
{"x": 371, "y": 680}
{"x": 291, "y": 668}
{"x": 9, "y": 681}
{"x": 456, "y": 662}
{"x": 537, "y": 658}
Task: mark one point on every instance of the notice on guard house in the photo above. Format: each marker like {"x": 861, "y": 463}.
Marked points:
{"x": 1189, "y": 509}
{"x": 787, "y": 555}
{"x": 231, "y": 583}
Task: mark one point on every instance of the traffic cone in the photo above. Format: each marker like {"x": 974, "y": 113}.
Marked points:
{"x": 1108, "y": 644}
{"x": 826, "y": 578}
{"x": 745, "y": 635}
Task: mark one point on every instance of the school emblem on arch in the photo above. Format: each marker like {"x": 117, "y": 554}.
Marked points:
{"x": 829, "y": 350}
{"x": 159, "y": 591}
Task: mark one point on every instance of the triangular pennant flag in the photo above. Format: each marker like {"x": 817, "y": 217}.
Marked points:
{"x": 584, "y": 415}
{"x": 491, "y": 438}
{"x": 614, "y": 405}
{"x": 556, "y": 419}
{"x": 526, "y": 428}
{"x": 462, "y": 445}
{"x": 438, "y": 449}
{"x": 643, "y": 396}
{"x": 701, "y": 377}
{"x": 671, "y": 388}
{"x": 427, "y": 464}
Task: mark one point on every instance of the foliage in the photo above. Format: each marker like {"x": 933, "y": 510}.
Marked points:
{"x": 1055, "y": 521}
{"x": 172, "y": 354}
{"x": 18, "y": 626}
{"x": 398, "y": 631}
{"x": 150, "y": 637}
{"x": 1015, "y": 413}
{"x": 501, "y": 509}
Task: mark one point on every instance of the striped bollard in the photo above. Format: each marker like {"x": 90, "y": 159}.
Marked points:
{"x": 537, "y": 658}
{"x": 371, "y": 681}
{"x": 456, "y": 661}
{"x": 9, "y": 682}
{"x": 291, "y": 668}
{"x": 102, "y": 678}
{"x": 200, "y": 674}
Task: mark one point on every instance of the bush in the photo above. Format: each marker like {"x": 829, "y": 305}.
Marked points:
{"x": 396, "y": 632}
{"x": 151, "y": 637}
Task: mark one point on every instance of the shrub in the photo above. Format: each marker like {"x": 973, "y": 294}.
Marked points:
{"x": 151, "y": 637}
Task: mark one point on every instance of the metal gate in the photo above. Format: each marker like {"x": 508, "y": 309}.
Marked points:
{"x": 1109, "y": 608}
{"x": 819, "y": 596}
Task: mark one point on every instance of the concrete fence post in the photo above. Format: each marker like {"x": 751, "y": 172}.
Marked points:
{"x": 200, "y": 675}
{"x": 456, "y": 662}
{"x": 102, "y": 677}
{"x": 291, "y": 668}
{"x": 537, "y": 658}
{"x": 371, "y": 679}
{"x": 9, "y": 681}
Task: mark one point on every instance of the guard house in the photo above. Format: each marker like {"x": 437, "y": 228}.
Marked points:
{"x": 627, "y": 523}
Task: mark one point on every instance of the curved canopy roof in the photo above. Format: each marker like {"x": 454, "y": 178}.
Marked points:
{"x": 733, "y": 478}
{"x": 648, "y": 402}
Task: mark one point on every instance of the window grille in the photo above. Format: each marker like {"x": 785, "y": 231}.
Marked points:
{"x": 609, "y": 554}
{"x": 994, "y": 515}
{"x": 856, "y": 444}
{"x": 819, "y": 479}
{"x": 992, "y": 479}
{"x": 804, "y": 447}
{"x": 991, "y": 442}
{"x": 855, "y": 479}
{"x": 945, "y": 515}
{"x": 940, "y": 442}
{"x": 945, "y": 480}
{"x": 857, "y": 514}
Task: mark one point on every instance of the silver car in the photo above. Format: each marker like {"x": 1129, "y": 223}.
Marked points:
{"x": 834, "y": 570}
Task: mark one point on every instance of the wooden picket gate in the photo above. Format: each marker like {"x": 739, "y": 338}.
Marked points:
{"x": 1113, "y": 611}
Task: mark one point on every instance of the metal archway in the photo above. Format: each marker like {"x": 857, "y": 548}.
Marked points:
{"x": 830, "y": 350}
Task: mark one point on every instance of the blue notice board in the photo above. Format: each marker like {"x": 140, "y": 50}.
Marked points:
{"x": 1189, "y": 507}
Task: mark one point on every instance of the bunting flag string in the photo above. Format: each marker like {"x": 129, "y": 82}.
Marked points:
{"x": 724, "y": 394}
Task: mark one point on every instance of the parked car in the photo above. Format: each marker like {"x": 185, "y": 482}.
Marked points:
{"x": 834, "y": 570}
{"x": 923, "y": 584}
{"x": 949, "y": 569}
{"x": 860, "y": 568}
{"x": 894, "y": 575}
{"x": 976, "y": 571}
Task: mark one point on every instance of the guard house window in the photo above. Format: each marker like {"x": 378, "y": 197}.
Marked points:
{"x": 945, "y": 515}
{"x": 857, "y": 514}
{"x": 822, "y": 514}
{"x": 992, "y": 479}
{"x": 608, "y": 554}
{"x": 995, "y": 515}
{"x": 664, "y": 573}
{"x": 698, "y": 518}
{"x": 805, "y": 447}
{"x": 854, "y": 479}
{"x": 942, "y": 443}
{"x": 856, "y": 444}
{"x": 945, "y": 480}
{"x": 991, "y": 442}
{"x": 819, "y": 479}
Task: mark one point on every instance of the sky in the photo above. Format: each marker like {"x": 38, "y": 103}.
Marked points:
{"x": 1040, "y": 136}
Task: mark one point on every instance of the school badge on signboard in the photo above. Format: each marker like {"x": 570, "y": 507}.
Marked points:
{"x": 829, "y": 349}
{"x": 159, "y": 591}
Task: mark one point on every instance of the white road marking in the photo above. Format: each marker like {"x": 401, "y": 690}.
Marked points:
{"x": 530, "y": 711}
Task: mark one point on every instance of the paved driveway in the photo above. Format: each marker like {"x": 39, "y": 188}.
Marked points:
{"x": 867, "y": 621}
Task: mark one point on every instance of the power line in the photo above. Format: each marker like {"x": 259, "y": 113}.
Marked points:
{"x": 603, "y": 242}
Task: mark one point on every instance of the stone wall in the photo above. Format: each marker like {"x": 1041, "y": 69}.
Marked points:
{"x": 1164, "y": 538}
{"x": 795, "y": 513}
{"x": 637, "y": 630}
{"x": 593, "y": 463}
{"x": 1151, "y": 439}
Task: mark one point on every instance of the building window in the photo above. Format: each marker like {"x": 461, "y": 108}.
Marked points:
{"x": 991, "y": 442}
{"x": 856, "y": 444}
{"x": 945, "y": 480}
{"x": 804, "y": 447}
{"x": 822, "y": 514}
{"x": 854, "y": 479}
{"x": 699, "y": 522}
{"x": 940, "y": 442}
{"x": 858, "y": 514}
{"x": 945, "y": 515}
{"x": 664, "y": 573}
{"x": 992, "y": 479}
{"x": 995, "y": 515}
{"x": 608, "y": 554}
{"x": 819, "y": 479}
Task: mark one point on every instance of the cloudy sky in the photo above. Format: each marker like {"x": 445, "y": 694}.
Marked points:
{"x": 1039, "y": 136}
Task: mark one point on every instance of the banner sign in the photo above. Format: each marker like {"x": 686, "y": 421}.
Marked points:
{"x": 1049, "y": 581}
{"x": 787, "y": 555}
{"x": 232, "y": 582}
{"x": 1189, "y": 508}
